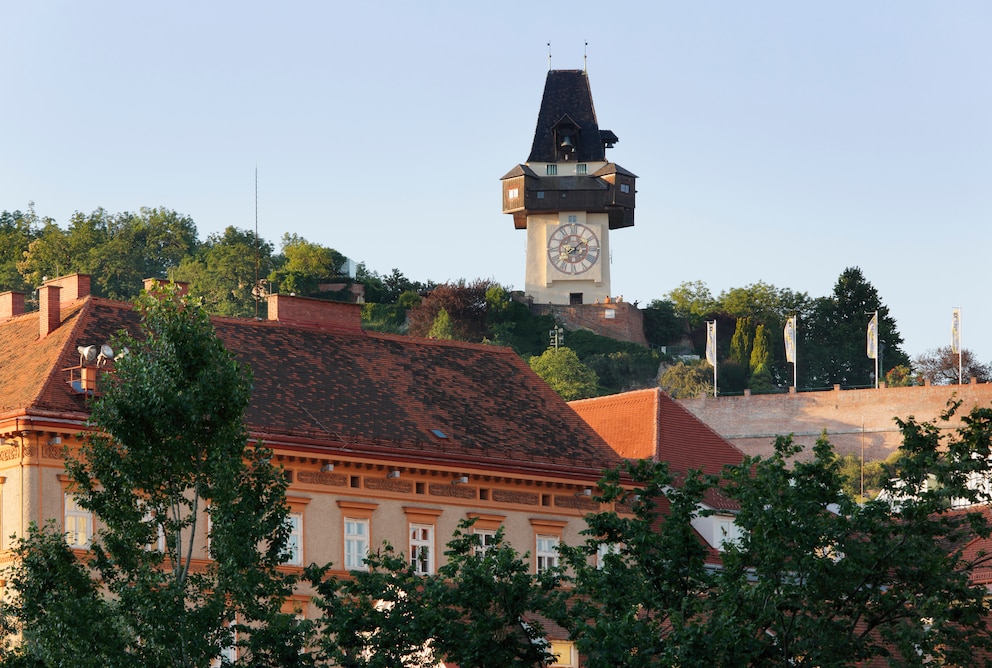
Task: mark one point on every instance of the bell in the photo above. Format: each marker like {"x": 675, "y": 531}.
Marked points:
{"x": 567, "y": 142}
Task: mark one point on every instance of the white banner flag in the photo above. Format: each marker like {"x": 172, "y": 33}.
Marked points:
{"x": 956, "y": 331}
{"x": 711, "y": 343}
{"x": 873, "y": 337}
{"x": 790, "y": 340}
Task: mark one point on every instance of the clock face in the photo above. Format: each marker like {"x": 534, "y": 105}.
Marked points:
{"x": 573, "y": 249}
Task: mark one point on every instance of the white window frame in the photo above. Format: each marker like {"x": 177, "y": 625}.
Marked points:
{"x": 159, "y": 544}
{"x": 551, "y": 169}
{"x": 75, "y": 516}
{"x": 546, "y": 551}
{"x": 581, "y": 168}
{"x": 422, "y": 548}
{"x": 487, "y": 541}
{"x": 604, "y": 549}
{"x": 512, "y": 193}
{"x": 356, "y": 543}
{"x": 727, "y": 532}
{"x": 294, "y": 542}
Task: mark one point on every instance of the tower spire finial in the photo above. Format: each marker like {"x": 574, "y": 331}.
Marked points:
{"x": 585, "y": 58}
{"x": 549, "y": 56}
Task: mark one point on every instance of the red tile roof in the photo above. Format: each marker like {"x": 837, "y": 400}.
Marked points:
{"x": 377, "y": 395}
{"x": 650, "y": 424}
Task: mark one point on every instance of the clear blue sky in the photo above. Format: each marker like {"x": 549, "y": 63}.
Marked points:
{"x": 774, "y": 141}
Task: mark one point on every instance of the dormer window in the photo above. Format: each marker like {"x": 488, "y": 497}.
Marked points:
{"x": 552, "y": 169}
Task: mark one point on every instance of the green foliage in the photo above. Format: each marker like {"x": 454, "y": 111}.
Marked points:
{"x": 469, "y": 613}
{"x": 169, "y": 445}
{"x": 740, "y": 344}
{"x": 625, "y": 370}
{"x": 222, "y": 273}
{"x": 814, "y": 578}
{"x": 303, "y": 265}
{"x": 692, "y": 301}
{"x": 687, "y": 380}
{"x": 900, "y": 376}
{"x": 389, "y": 318}
{"x": 17, "y": 231}
{"x": 662, "y": 327}
{"x": 561, "y": 369}
{"x": 636, "y": 608}
{"x": 833, "y": 341}
{"x": 441, "y": 328}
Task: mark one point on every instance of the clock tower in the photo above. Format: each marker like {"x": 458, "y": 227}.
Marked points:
{"x": 568, "y": 197}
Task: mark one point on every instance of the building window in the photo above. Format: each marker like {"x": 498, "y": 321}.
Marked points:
{"x": 552, "y": 170}
{"x": 728, "y": 532}
{"x": 581, "y": 169}
{"x": 573, "y": 218}
{"x": 422, "y": 548}
{"x": 546, "y": 554}
{"x": 624, "y": 188}
{"x": 159, "y": 544}
{"x": 603, "y": 550}
{"x": 294, "y": 543}
{"x": 540, "y": 194}
{"x": 78, "y": 523}
{"x": 564, "y": 653}
{"x": 356, "y": 543}
{"x": 512, "y": 193}
{"x": 487, "y": 540}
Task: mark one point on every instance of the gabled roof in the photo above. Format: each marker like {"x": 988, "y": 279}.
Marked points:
{"x": 568, "y": 98}
{"x": 376, "y": 395}
{"x": 649, "y": 424}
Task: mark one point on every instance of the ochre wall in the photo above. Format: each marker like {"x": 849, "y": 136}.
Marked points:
{"x": 851, "y": 418}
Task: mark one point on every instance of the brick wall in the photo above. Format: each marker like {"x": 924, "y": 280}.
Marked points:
{"x": 617, "y": 320}
{"x": 850, "y": 417}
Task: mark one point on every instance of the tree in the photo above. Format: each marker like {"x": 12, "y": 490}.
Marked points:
{"x": 687, "y": 380}
{"x": 561, "y": 369}
{"x": 482, "y": 608}
{"x": 17, "y": 230}
{"x": 465, "y": 304}
{"x": 834, "y": 339}
{"x": 814, "y": 579}
{"x": 303, "y": 265}
{"x": 166, "y": 468}
{"x": 940, "y": 367}
{"x": 760, "y": 363}
{"x": 662, "y": 327}
{"x": 441, "y": 327}
{"x": 692, "y": 301}
{"x": 223, "y": 272}
{"x": 637, "y": 585}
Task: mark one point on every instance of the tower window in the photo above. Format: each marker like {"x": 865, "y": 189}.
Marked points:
{"x": 572, "y": 218}
{"x": 624, "y": 188}
{"x": 512, "y": 193}
{"x": 552, "y": 170}
{"x": 581, "y": 168}
{"x": 540, "y": 194}
{"x": 574, "y": 298}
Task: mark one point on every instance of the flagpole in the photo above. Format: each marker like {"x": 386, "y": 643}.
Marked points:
{"x": 960, "y": 350}
{"x": 795, "y": 354}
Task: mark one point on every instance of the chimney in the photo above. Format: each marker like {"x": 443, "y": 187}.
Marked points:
{"x": 74, "y": 286}
{"x": 319, "y": 313}
{"x": 11, "y": 303}
{"x": 153, "y": 284}
{"x": 49, "y": 315}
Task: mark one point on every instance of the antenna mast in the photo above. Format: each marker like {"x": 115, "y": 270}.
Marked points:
{"x": 255, "y": 291}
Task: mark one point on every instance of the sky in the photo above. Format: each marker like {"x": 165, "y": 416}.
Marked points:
{"x": 774, "y": 141}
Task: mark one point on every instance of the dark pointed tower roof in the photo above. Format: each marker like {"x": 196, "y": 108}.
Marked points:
{"x": 567, "y": 111}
